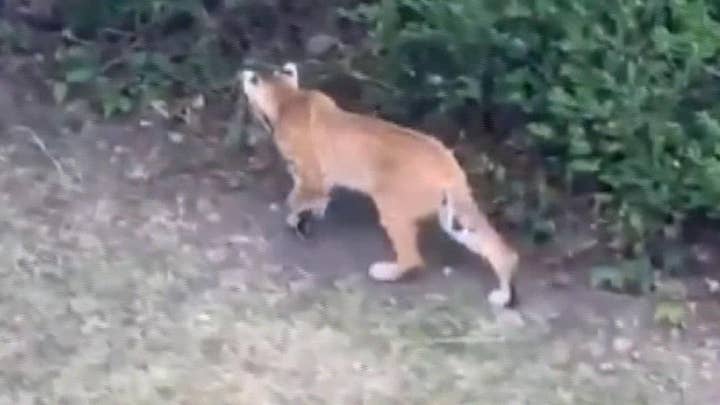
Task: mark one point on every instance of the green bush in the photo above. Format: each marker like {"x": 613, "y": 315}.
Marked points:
{"x": 620, "y": 91}
{"x": 127, "y": 53}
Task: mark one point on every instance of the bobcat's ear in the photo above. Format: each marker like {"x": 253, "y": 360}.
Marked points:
{"x": 290, "y": 71}
{"x": 248, "y": 78}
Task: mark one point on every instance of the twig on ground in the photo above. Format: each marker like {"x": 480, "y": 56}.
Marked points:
{"x": 345, "y": 67}
{"x": 35, "y": 139}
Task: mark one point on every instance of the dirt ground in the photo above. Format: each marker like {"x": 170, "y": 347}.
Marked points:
{"x": 181, "y": 290}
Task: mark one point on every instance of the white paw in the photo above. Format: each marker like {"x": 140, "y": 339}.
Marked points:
{"x": 318, "y": 211}
{"x": 292, "y": 220}
{"x": 499, "y": 297}
{"x": 385, "y": 271}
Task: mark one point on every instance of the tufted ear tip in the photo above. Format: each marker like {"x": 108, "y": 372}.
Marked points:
{"x": 248, "y": 78}
{"x": 290, "y": 69}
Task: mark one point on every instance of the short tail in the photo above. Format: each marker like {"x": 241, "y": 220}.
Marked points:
{"x": 463, "y": 221}
{"x": 455, "y": 215}
{"x": 447, "y": 215}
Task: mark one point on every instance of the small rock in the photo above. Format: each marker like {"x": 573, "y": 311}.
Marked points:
{"x": 712, "y": 285}
{"x": 606, "y": 367}
{"x": 138, "y": 172}
{"x": 320, "y": 44}
{"x": 203, "y": 317}
{"x": 274, "y": 207}
{"x": 702, "y": 254}
{"x": 622, "y": 344}
{"x": 176, "y": 137}
{"x": 447, "y": 270}
{"x": 198, "y": 102}
{"x": 145, "y": 123}
{"x": 435, "y": 80}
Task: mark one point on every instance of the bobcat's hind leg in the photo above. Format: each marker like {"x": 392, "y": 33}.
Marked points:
{"x": 467, "y": 225}
{"x": 402, "y": 230}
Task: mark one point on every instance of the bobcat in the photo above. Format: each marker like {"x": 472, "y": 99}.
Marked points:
{"x": 408, "y": 175}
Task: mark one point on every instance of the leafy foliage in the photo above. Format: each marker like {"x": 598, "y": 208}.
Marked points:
{"x": 630, "y": 275}
{"x": 671, "y": 313}
{"x": 126, "y": 53}
{"x": 618, "y": 92}
{"x": 11, "y": 38}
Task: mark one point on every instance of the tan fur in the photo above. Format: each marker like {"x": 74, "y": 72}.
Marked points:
{"x": 409, "y": 175}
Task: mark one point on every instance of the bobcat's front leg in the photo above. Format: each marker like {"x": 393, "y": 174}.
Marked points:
{"x": 308, "y": 197}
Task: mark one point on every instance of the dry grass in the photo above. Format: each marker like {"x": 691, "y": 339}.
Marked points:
{"x": 104, "y": 303}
